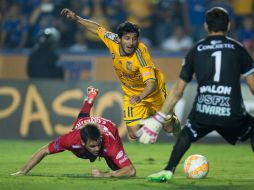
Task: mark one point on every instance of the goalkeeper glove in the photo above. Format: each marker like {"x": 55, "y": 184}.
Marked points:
{"x": 151, "y": 128}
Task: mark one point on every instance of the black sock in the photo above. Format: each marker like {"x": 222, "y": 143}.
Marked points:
{"x": 182, "y": 145}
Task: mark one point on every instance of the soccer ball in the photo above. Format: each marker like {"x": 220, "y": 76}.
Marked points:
{"x": 196, "y": 166}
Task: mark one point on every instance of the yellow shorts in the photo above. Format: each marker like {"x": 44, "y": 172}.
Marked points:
{"x": 144, "y": 109}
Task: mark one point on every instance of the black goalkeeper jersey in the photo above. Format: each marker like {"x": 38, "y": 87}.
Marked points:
{"x": 217, "y": 63}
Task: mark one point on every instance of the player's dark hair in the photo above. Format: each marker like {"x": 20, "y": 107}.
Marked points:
{"x": 90, "y": 131}
{"x": 127, "y": 27}
{"x": 217, "y": 19}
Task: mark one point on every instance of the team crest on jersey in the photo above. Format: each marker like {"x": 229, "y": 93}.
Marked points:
{"x": 119, "y": 155}
{"x": 113, "y": 55}
{"x": 129, "y": 65}
{"x": 120, "y": 62}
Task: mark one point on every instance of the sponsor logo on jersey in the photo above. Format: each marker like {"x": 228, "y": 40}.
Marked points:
{"x": 119, "y": 154}
{"x": 214, "y": 100}
{"x": 203, "y": 47}
{"x": 213, "y": 110}
{"x": 216, "y": 89}
{"x": 129, "y": 65}
{"x": 124, "y": 159}
{"x": 97, "y": 120}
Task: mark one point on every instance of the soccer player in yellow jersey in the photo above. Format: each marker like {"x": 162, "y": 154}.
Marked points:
{"x": 143, "y": 85}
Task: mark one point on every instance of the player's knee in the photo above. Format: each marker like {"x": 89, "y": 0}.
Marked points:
{"x": 132, "y": 133}
{"x": 132, "y": 136}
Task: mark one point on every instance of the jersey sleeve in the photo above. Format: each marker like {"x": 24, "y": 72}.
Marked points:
{"x": 60, "y": 144}
{"x": 187, "y": 70}
{"x": 146, "y": 66}
{"x": 246, "y": 63}
{"x": 116, "y": 157}
{"x": 107, "y": 37}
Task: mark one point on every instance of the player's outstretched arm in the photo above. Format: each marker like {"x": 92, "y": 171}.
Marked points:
{"x": 36, "y": 158}
{"x": 127, "y": 171}
{"x": 89, "y": 24}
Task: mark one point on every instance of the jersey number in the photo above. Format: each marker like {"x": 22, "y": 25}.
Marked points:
{"x": 217, "y": 56}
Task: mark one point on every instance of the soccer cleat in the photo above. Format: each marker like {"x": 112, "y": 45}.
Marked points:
{"x": 91, "y": 94}
{"x": 162, "y": 176}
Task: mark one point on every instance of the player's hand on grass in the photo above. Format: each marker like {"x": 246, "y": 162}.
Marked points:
{"x": 151, "y": 128}
{"x": 19, "y": 173}
{"x": 97, "y": 173}
{"x": 69, "y": 14}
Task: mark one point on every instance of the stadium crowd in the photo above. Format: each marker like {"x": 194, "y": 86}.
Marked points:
{"x": 170, "y": 25}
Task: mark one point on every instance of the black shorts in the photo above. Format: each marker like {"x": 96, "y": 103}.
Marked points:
{"x": 239, "y": 131}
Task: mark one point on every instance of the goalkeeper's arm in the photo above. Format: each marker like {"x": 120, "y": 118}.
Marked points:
{"x": 175, "y": 94}
{"x": 151, "y": 126}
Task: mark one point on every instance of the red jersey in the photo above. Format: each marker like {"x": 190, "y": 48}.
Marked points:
{"x": 111, "y": 150}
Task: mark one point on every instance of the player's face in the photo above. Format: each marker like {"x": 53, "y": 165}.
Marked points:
{"x": 94, "y": 146}
{"x": 128, "y": 43}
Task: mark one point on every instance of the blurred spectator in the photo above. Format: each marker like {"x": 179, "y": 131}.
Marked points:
{"x": 4, "y": 8}
{"x": 14, "y": 32}
{"x": 115, "y": 13}
{"x": 42, "y": 62}
{"x": 41, "y": 18}
{"x": 140, "y": 12}
{"x": 27, "y": 6}
{"x": 94, "y": 10}
{"x": 67, "y": 31}
{"x": 79, "y": 42}
{"x": 178, "y": 42}
{"x": 242, "y": 9}
{"x": 22, "y": 21}
{"x": 168, "y": 13}
{"x": 194, "y": 17}
{"x": 245, "y": 34}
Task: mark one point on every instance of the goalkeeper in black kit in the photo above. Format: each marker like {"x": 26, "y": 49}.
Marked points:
{"x": 218, "y": 63}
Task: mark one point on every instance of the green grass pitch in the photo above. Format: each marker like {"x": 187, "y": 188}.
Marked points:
{"x": 231, "y": 168}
